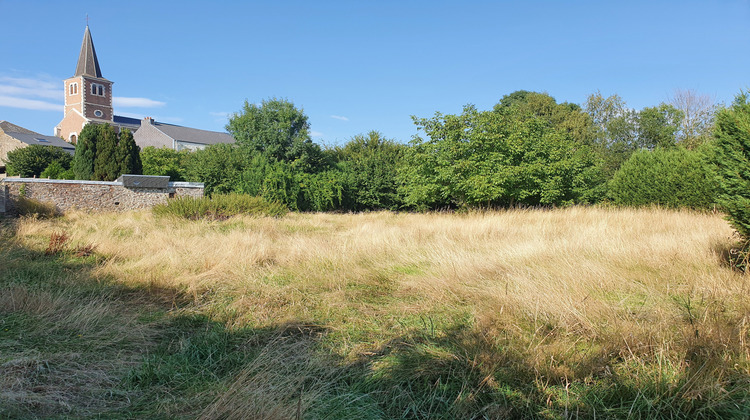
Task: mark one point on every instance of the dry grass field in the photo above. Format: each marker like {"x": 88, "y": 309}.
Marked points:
{"x": 568, "y": 313}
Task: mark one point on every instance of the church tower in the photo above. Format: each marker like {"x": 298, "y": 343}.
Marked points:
{"x": 88, "y": 95}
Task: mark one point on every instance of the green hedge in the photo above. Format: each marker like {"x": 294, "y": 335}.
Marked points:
{"x": 674, "y": 178}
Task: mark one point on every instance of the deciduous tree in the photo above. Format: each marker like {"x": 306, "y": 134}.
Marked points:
{"x": 699, "y": 112}
{"x": 277, "y": 129}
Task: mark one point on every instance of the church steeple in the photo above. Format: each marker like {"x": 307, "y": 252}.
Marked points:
{"x": 88, "y": 64}
{"x": 88, "y": 95}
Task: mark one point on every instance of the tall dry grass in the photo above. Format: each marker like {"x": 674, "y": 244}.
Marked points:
{"x": 571, "y": 294}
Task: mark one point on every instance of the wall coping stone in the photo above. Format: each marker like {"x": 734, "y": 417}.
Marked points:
{"x": 176, "y": 184}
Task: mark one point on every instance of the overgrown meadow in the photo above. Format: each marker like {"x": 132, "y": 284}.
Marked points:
{"x": 582, "y": 312}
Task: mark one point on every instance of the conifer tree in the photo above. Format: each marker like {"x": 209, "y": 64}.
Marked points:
{"x": 733, "y": 162}
{"x": 83, "y": 161}
{"x": 106, "y": 166}
{"x": 128, "y": 154}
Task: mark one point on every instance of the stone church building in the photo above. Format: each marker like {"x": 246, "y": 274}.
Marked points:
{"x": 88, "y": 99}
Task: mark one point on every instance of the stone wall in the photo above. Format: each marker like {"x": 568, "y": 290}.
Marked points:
{"x": 92, "y": 195}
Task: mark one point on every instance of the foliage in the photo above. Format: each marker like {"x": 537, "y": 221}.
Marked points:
{"x": 32, "y": 160}
{"x": 370, "y": 166}
{"x": 219, "y": 207}
{"x": 103, "y": 155}
{"x": 732, "y": 160}
{"x": 278, "y": 130}
{"x": 666, "y": 177}
{"x": 128, "y": 154}
{"x": 565, "y": 116}
{"x": 321, "y": 191}
{"x": 218, "y": 166}
{"x": 284, "y": 183}
{"x": 164, "y": 161}
{"x": 55, "y": 170}
{"x": 496, "y": 158}
{"x": 83, "y": 160}
{"x": 615, "y": 130}
{"x": 106, "y": 164}
{"x": 657, "y": 126}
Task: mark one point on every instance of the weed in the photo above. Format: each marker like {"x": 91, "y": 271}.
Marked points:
{"x": 56, "y": 243}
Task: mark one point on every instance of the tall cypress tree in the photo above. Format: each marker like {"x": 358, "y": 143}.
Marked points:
{"x": 83, "y": 161}
{"x": 106, "y": 166}
{"x": 733, "y": 162}
{"x": 129, "y": 154}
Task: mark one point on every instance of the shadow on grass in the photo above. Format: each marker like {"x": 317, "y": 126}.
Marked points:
{"x": 72, "y": 345}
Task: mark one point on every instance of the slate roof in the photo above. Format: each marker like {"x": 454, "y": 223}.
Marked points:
{"x": 88, "y": 64}
{"x": 193, "y": 135}
{"x": 30, "y": 137}
{"x": 6, "y": 126}
{"x": 117, "y": 119}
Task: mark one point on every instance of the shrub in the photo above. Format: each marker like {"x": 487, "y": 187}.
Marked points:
{"x": 33, "y": 160}
{"x": 219, "y": 207}
{"x": 56, "y": 170}
{"x": 666, "y": 177}
{"x": 732, "y": 160}
{"x": 218, "y": 167}
{"x": 370, "y": 164}
{"x": 164, "y": 162}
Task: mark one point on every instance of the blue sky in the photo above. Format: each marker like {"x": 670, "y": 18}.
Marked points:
{"x": 356, "y": 66}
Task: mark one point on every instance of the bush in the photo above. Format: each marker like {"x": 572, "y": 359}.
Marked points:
{"x": 218, "y": 167}
{"x": 666, "y": 177}
{"x": 733, "y": 162}
{"x": 370, "y": 165}
{"x": 164, "y": 162}
{"x": 56, "y": 170}
{"x": 32, "y": 160}
{"x": 219, "y": 207}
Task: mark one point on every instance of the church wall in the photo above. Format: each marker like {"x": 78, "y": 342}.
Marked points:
{"x": 71, "y": 124}
{"x": 92, "y": 195}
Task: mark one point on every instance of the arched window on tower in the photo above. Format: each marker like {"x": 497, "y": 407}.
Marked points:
{"x": 73, "y": 138}
{"x": 97, "y": 89}
{"x": 73, "y": 88}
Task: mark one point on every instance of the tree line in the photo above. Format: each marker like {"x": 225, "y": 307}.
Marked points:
{"x": 528, "y": 150}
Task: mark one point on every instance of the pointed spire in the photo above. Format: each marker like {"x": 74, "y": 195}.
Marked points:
{"x": 88, "y": 64}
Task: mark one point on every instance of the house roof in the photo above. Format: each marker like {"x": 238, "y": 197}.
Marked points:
{"x": 193, "y": 135}
{"x": 42, "y": 140}
{"x": 29, "y": 137}
{"x": 10, "y": 127}
{"x": 88, "y": 64}
{"x": 117, "y": 119}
